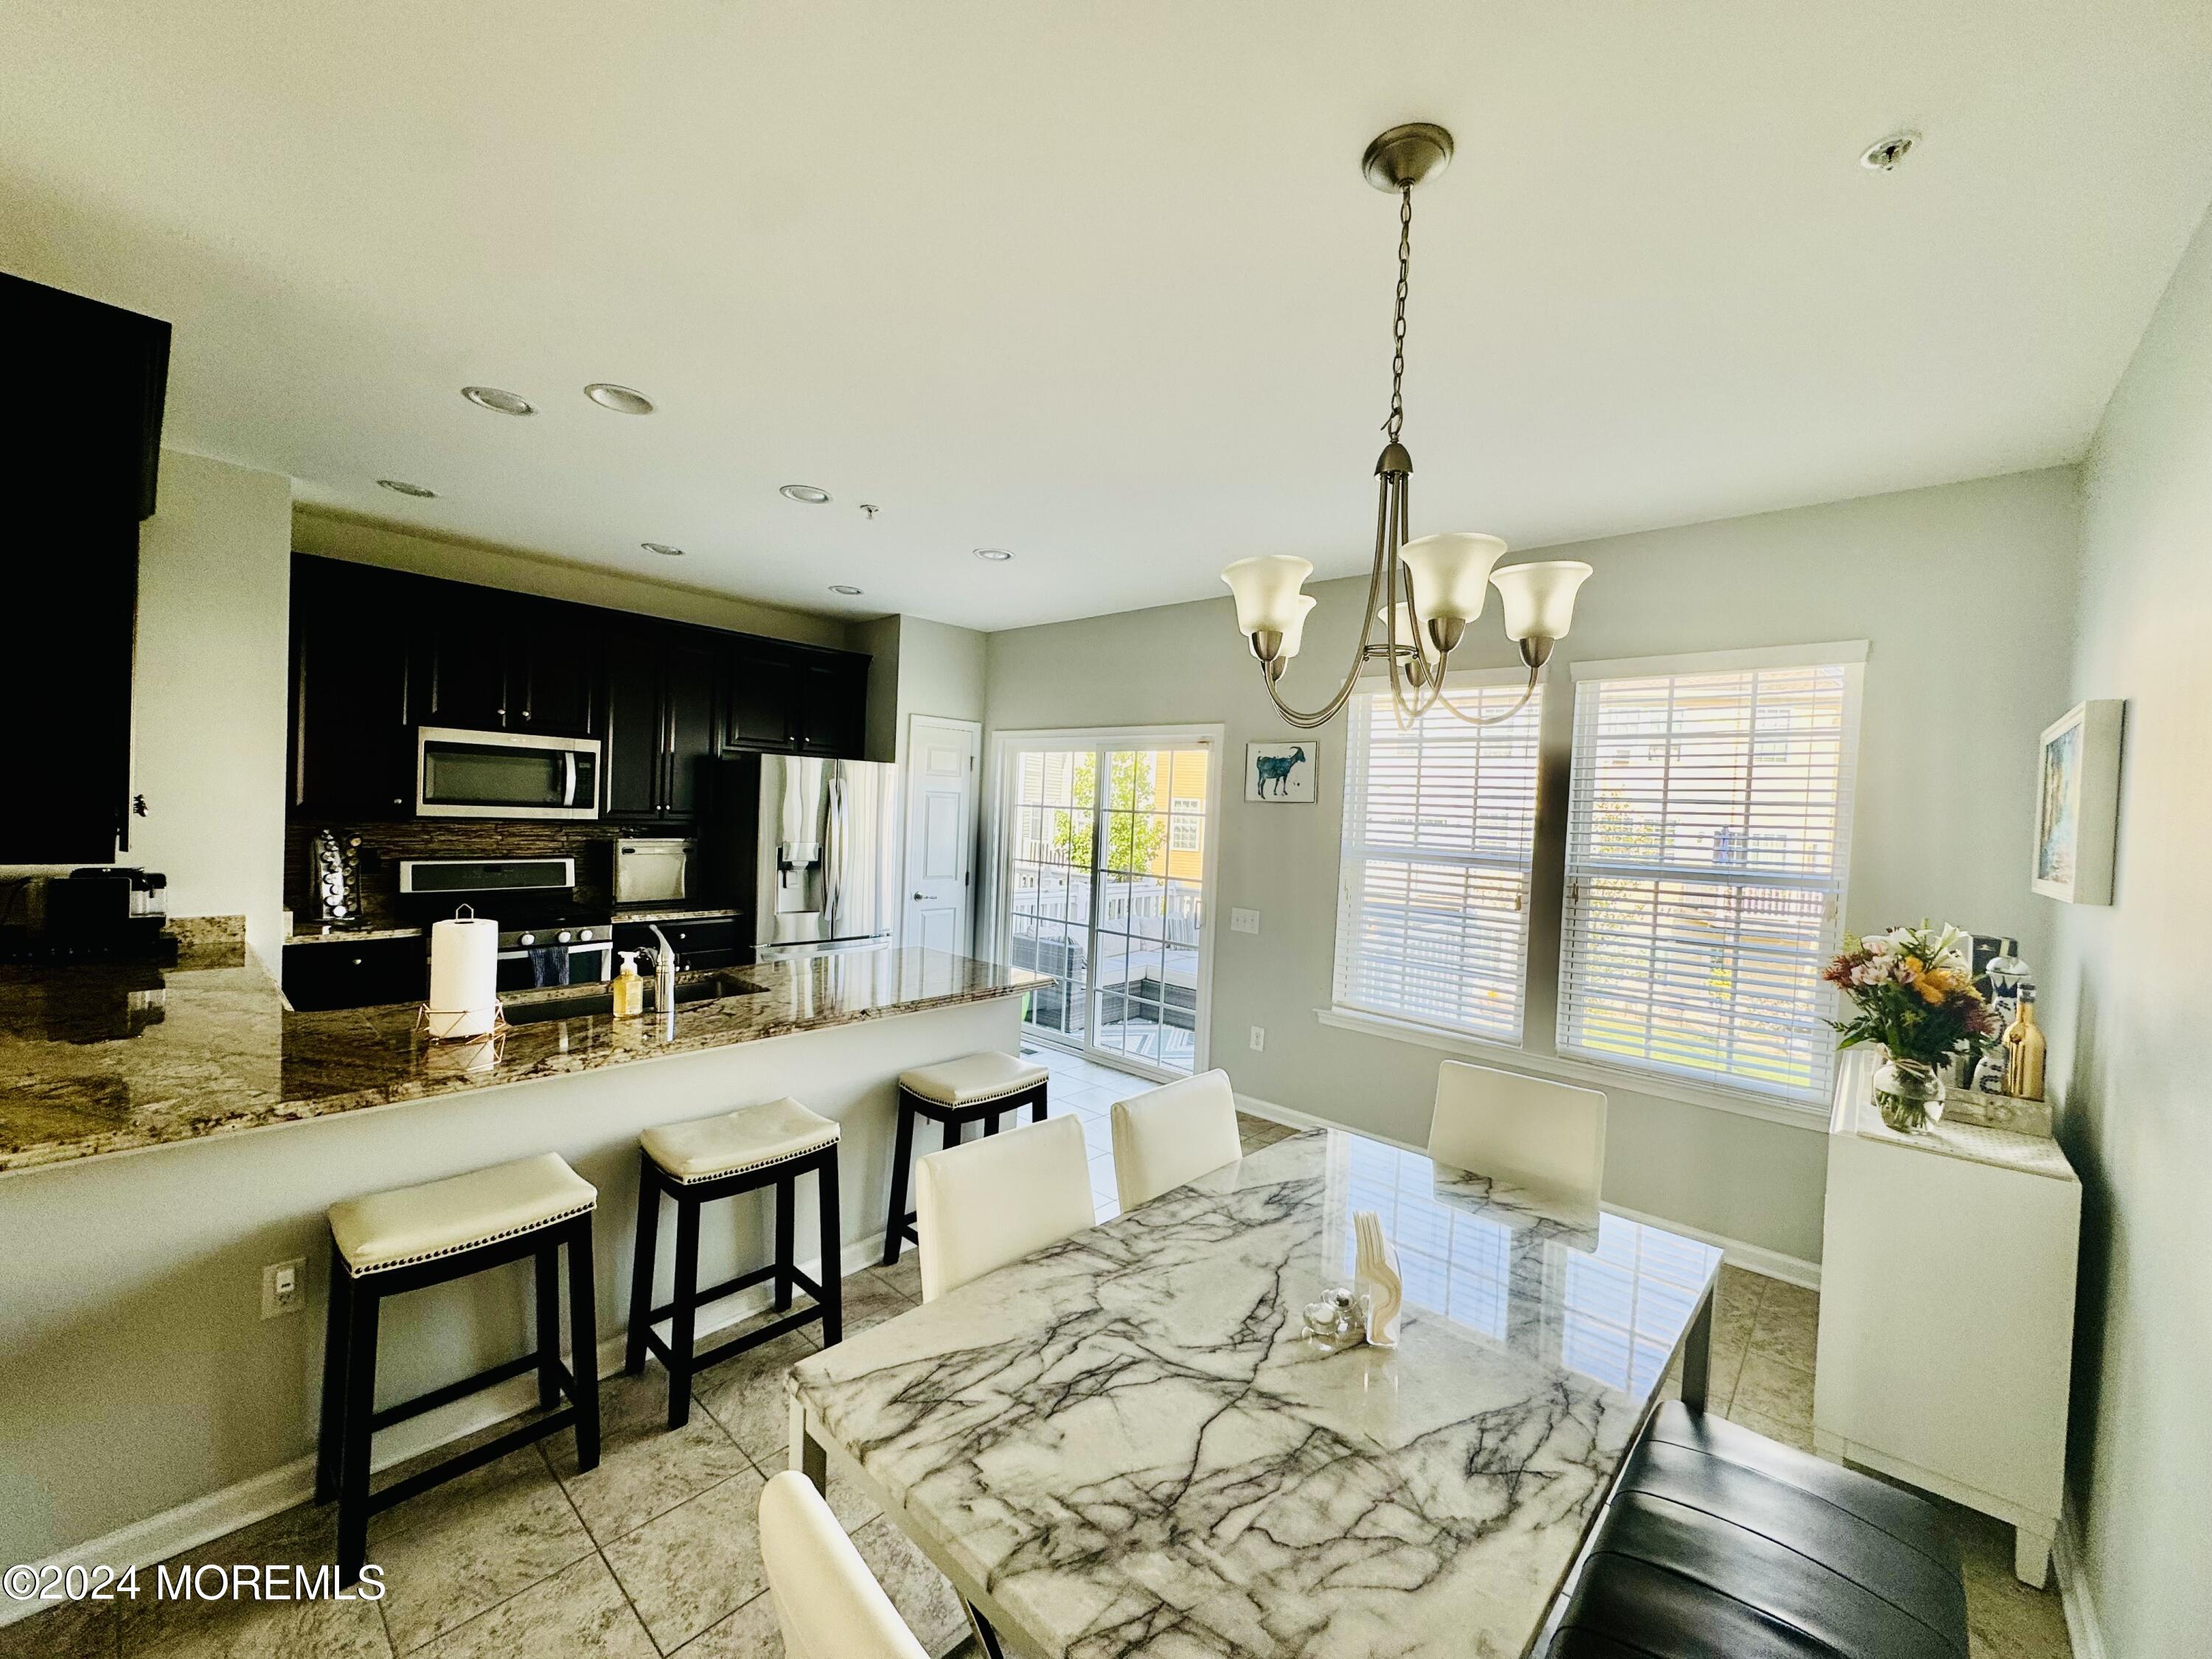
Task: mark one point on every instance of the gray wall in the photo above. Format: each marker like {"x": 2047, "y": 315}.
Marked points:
{"x": 2127, "y": 1005}
{"x": 1966, "y": 593}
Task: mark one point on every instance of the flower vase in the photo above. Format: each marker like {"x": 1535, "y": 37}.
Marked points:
{"x": 1910, "y": 1093}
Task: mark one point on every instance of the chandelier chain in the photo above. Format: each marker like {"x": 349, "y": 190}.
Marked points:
{"x": 1397, "y": 420}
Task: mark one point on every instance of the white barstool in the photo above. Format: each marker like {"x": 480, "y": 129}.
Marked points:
{"x": 955, "y": 1093}
{"x": 710, "y": 1157}
{"x": 387, "y": 1243}
{"x": 1173, "y": 1134}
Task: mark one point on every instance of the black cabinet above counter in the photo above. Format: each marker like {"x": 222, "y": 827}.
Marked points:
{"x": 377, "y": 653}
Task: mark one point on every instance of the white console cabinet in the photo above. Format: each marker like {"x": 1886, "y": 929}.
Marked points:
{"x": 1946, "y": 1311}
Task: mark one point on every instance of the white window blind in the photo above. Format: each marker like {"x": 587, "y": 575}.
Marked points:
{"x": 1439, "y": 829}
{"x": 1708, "y": 842}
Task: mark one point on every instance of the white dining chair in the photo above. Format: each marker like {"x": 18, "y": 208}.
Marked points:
{"x": 991, "y": 1201}
{"x": 1529, "y": 1130}
{"x": 828, "y": 1603}
{"x": 1167, "y": 1136}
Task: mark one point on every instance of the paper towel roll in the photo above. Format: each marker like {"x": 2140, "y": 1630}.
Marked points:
{"x": 463, "y": 977}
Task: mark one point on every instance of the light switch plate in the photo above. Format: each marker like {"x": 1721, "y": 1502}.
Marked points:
{"x": 1244, "y": 921}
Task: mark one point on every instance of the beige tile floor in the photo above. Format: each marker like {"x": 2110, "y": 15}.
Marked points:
{"x": 655, "y": 1552}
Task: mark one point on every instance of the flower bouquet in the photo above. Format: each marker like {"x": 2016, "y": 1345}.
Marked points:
{"x": 1916, "y": 997}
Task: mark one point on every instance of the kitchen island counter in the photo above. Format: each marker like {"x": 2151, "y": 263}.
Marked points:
{"x": 101, "y": 1059}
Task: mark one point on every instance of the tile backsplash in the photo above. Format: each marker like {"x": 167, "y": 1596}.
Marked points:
{"x": 383, "y": 844}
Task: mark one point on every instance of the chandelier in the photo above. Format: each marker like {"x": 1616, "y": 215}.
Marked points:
{"x": 1424, "y": 593}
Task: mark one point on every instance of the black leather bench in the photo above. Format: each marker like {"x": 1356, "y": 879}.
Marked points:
{"x": 1721, "y": 1544}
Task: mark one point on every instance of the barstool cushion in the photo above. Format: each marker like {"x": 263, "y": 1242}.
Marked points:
{"x": 709, "y": 1148}
{"x": 409, "y": 1224}
{"x": 973, "y": 1078}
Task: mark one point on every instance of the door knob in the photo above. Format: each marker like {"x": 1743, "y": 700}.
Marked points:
{"x": 924, "y": 897}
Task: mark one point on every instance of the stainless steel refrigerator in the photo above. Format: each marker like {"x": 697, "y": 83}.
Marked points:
{"x": 809, "y": 847}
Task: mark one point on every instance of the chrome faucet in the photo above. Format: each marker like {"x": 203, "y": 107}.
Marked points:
{"x": 664, "y": 972}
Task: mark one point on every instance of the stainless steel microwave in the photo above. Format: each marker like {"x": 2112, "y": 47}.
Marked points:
{"x": 504, "y": 775}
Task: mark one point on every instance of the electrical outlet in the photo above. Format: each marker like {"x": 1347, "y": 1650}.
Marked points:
{"x": 1244, "y": 921}
{"x": 285, "y": 1288}
{"x": 1259, "y": 1039}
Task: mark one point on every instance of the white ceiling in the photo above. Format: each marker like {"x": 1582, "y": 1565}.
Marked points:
{"x": 1101, "y": 283}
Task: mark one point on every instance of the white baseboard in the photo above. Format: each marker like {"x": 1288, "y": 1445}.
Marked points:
{"x": 1752, "y": 1258}
{"x": 158, "y": 1537}
{"x": 2083, "y": 1627}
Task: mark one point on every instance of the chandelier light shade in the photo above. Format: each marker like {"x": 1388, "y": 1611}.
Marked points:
{"x": 1266, "y": 590}
{"x": 1451, "y": 574}
{"x": 1423, "y": 591}
{"x": 1403, "y": 622}
{"x": 1539, "y": 601}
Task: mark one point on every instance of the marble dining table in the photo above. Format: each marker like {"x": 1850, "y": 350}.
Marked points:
{"x": 1125, "y": 1444}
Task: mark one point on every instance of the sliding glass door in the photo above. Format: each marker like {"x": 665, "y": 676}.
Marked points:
{"x": 1106, "y": 855}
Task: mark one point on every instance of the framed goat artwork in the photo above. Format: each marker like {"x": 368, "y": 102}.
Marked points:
{"x": 1275, "y": 772}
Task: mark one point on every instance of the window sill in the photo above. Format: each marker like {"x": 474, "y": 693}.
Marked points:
{"x": 1813, "y": 1119}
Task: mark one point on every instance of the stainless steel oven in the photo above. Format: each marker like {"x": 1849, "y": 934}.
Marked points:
{"x": 504, "y": 775}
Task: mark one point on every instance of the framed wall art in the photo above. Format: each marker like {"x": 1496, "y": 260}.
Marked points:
{"x": 2077, "y": 803}
{"x": 1281, "y": 771}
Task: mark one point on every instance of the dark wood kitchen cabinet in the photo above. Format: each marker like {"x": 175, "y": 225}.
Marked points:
{"x": 344, "y": 973}
{"x": 663, "y": 697}
{"x": 795, "y": 698}
{"x": 352, "y": 718}
{"x": 492, "y": 661}
{"x": 79, "y": 475}
{"x": 377, "y": 653}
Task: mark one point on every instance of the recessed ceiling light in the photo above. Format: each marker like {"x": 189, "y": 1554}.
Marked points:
{"x": 841, "y": 587}
{"x": 806, "y": 493}
{"x": 400, "y": 486}
{"x": 499, "y": 402}
{"x": 995, "y": 555}
{"x": 623, "y": 400}
{"x": 663, "y": 549}
{"x": 1885, "y": 153}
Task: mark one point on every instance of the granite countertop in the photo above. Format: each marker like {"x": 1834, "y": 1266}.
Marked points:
{"x": 676, "y": 913}
{"x": 104, "y": 1057}
{"x": 339, "y": 934}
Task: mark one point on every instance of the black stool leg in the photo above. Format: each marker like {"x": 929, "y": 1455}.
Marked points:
{"x": 548, "y": 1272}
{"x": 359, "y": 1406}
{"x": 685, "y": 1310}
{"x": 786, "y": 1192}
{"x": 641, "y": 1271}
{"x": 833, "y": 1250}
{"x": 330, "y": 1438}
{"x": 1036, "y": 1106}
{"x": 991, "y": 1124}
{"x": 583, "y": 1342}
{"x": 894, "y": 1234}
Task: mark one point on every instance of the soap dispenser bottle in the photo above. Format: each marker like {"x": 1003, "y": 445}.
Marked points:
{"x": 628, "y": 988}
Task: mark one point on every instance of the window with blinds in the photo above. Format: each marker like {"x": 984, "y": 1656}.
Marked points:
{"x": 1439, "y": 829}
{"x": 1708, "y": 842}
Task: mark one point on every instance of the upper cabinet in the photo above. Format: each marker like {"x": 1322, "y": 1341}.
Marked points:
{"x": 796, "y": 698}
{"x": 353, "y": 718}
{"x": 506, "y": 662}
{"x": 80, "y": 473}
{"x": 662, "y": 698}
{"x": 377, "y": 653}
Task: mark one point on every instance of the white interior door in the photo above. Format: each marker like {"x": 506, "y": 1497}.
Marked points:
{"x": 1105, "y": 877}
{"x": 941, "y": 832}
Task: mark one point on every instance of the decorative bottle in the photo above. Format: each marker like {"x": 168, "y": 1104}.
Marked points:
{"x": 2024, "y": 1051}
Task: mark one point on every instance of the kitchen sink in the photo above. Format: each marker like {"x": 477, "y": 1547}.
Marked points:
{"x": 598, "y": 1002}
